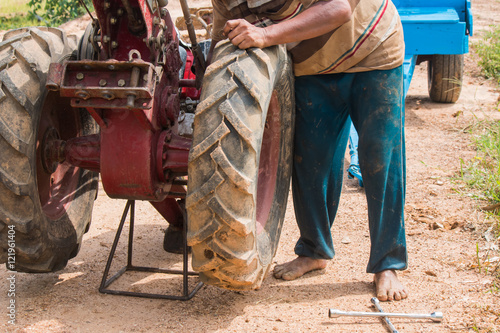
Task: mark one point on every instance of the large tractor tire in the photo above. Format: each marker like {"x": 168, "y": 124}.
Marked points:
{"x": 240, "y": 165}
{"x": 48, "y": 205}
{"x": 445, "y": 76}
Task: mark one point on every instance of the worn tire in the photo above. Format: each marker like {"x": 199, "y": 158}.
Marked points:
{"x": 445, "y": 76}
{"x": 237, "y": 194}
{"x": 49, "y": 220}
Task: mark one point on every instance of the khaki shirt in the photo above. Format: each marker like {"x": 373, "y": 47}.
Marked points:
{"x": 371, "y": 40}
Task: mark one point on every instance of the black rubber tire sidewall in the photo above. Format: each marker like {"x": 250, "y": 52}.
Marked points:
{"x": 445, "y": 77}
{"x": 42, "y": 244}
{"x": 245, "y": 265}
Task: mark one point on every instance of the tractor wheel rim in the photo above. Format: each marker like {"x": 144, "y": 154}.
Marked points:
{"x": 56, "y": 182}
{"x": 268, "y": 164}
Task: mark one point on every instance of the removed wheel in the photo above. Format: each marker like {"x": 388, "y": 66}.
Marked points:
{"x": 47, "y": 204}
{"x": 445, "y": 75}
{"x": 240, "y": 165}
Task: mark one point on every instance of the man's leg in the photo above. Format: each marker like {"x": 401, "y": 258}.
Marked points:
{"x": 353, "y": 170}
{"x": 320, "y": 141}
{"x": 378, "y": 117}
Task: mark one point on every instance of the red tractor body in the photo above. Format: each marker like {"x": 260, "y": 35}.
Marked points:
{"x": 127, "y": 104}
{"x": 131, "y": 91}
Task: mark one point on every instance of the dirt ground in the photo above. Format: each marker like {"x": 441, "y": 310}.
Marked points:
{"x": 442, "y": 275}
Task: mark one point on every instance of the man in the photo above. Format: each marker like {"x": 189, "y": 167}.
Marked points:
{"x": 347, "y": 57}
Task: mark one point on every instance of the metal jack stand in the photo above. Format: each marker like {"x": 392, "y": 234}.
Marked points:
{"x": 105, "y": 283}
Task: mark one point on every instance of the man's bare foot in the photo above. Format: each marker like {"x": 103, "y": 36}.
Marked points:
{"x": 388, "y": 286}
{"x": 298, "y": 267}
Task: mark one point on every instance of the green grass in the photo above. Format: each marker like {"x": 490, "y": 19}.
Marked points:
{"x": 483, "y": 172}
{"x": 13, "y": 6}
{"x": 23, "y": 13}
{"x": 14, "y": 14}
{"x": 488, "y": 50}
{"x": 482, "y": 178}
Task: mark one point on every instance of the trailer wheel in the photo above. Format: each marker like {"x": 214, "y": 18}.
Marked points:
{"x": 240, "y": 165}
{"x": 45, "y": 207}
{"x": 445, "y": 75}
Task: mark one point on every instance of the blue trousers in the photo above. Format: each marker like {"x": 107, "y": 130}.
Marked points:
{"x": 374, "y": 101}
{"x": 353, "y": 169}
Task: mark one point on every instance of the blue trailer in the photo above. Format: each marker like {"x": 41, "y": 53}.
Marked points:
{"x": 437, "y": 32}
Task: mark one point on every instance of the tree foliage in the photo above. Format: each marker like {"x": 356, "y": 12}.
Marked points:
{"x": 56, "y": 12}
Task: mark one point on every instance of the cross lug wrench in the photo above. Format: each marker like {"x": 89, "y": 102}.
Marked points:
{"x": 435, "y": 316}
{"x": 376, "y": 302}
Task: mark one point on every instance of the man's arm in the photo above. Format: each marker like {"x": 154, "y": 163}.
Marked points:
{"x": 320, "y": 18}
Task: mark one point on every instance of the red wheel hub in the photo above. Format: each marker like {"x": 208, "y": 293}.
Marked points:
{"x": 57, "y": 182}
{"x": 268, "y": 165}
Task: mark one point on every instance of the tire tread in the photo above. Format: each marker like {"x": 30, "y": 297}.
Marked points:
{"x": 224, "y": 162}
{"x": 445, "y": 77}
{"x": 25, "y": 56}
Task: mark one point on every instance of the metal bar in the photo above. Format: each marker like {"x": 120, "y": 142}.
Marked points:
{"x": 134, "y": 81}
{"x": 176, "y": 195}
{"x": 160, "y": 270}
{"x": 435, "y": 316}
{"x": 189, "y": 22}
{"x": 186, "y": 295}
{"x": 387, "y": 321}
{"x": 196, "y": 49}
{"x": 180, "y": 182}
{"x": 156, "y": 296}
{"x": 114, "y": 277}
{"x": 131, "y": 234}
{"x": 97, "y": 117}
{"x": 190, "y": 83}
{"x": 87, "y": 9}
{"x": 113, "y": 249}
{"x": 83, "y": 152}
